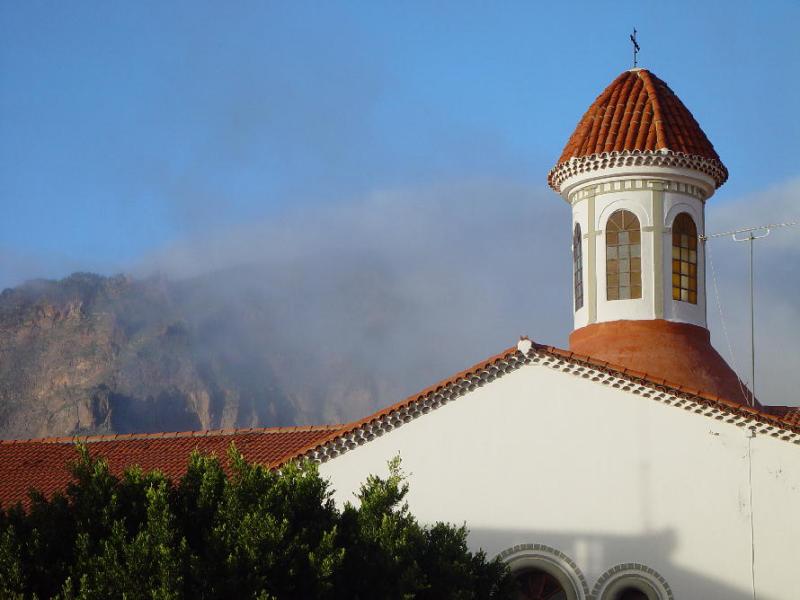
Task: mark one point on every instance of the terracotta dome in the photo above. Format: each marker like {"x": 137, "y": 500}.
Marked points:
{"x": 638, "y": 113}
{"x": 679, "y": 353}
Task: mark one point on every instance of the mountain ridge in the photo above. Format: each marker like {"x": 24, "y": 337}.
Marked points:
{"x": 90, "y": 354}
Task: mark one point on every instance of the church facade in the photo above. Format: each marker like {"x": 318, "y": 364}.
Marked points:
{"x": 635, "y": 464}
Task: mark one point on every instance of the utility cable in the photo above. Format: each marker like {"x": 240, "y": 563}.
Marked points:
{"x": 718, "y": 299}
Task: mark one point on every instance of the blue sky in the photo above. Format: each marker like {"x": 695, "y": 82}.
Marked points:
{"x": 126, "y": 127}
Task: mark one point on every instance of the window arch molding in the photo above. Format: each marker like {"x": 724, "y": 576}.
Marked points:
{"x": 684, "y": 207}
{"x": 609, "y": 209}
{"x": 631, "y": 576}
{"x": 551, "y": 561}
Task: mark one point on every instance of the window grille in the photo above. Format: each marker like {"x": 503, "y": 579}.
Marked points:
{"x": 577, "y": 266}
{"x": 684, "y": 259}
{"x": 623, "y": 256}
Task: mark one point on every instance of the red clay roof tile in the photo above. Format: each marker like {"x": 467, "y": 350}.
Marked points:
{"x": 638, "y": 111}
{"x": 41, "y": 463}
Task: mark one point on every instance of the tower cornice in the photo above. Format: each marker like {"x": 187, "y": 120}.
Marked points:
{"x": 603, "y": 164}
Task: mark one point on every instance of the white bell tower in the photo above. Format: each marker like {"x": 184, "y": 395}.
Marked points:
{"x": 637, "y": 173}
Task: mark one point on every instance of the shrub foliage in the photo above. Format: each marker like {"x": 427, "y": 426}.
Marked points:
{"x": 249, "y": 533}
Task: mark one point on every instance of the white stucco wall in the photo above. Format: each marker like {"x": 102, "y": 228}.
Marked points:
{"x": 604, "y": 476}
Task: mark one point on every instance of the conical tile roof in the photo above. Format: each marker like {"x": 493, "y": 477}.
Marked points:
{"x": 639, "y": 113}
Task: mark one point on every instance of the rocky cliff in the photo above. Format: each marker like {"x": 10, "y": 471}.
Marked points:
{"x": 90, "y": 354}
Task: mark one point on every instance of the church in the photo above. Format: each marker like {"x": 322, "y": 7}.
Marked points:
{"x": 633, "y": 465}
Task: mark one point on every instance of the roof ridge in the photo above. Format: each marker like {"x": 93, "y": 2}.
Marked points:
{"x": 651, "y": 86}
{"x": 632, "y": 375}
{"x": 114, "y": 437}
{"x": 763, "y": 411}
{"x": 350, "y": 427}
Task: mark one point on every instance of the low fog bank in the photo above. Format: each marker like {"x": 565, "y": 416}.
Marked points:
{"x": 404, "y": 287}
{"x": 388, "y": 293}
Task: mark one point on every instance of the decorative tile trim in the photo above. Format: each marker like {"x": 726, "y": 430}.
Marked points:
{"x": 689, "y": 400}
{"x": 631, "y": 571}
{"x": 553, "y": 556}
{"x": 422, "y": 405}
{"x": 636, "y": 158}
{"x": 361, "y": 432}
{"x": 640, "y": 184}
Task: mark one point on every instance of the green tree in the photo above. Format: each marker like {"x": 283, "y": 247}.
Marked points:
{"x": 241, "y": 531}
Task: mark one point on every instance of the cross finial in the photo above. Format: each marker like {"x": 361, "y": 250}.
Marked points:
{"x": 635, "y": 47}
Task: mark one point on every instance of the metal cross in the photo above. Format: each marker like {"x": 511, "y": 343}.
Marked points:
{"x": 635, "y": 47}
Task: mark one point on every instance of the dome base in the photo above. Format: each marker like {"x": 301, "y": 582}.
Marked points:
{"x": 679, "y": 353}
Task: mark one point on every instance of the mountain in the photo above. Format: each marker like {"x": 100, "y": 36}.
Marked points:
{"x": 91, "y": 354}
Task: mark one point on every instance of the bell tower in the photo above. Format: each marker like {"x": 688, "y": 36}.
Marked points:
{"x": 637, "y": 173}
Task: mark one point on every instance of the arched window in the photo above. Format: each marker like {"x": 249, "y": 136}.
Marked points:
{"x": 577, "y": 266}
{"x": 631, "y": 582}
{"x": 631, "y": 593}
{"x": 684, "y": 259}
{"x": 534, "y": 584}
{"x": 623, "y": 256}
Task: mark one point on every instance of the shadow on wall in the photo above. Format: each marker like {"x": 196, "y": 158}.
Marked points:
{"x": 594, "y": 555}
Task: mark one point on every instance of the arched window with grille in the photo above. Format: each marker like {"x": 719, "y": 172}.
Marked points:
{"x": 684, "y": 259}
{"x": 577, "y": 266}
{"x": 623, "y": 256}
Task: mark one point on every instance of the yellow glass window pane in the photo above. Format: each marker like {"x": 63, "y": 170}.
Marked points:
{"x": 636, "y": 291}
{"x": 613, "y": 293}
{"x": 676, "y": 293}
{"x": 693, "y": 297}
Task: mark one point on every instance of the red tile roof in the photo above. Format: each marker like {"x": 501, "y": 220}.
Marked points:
{"x": 638, "y": 111}
{"x": 680, "y": 352}
{"x": 787, "y": 414}
{"x": 41, "y": 463}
